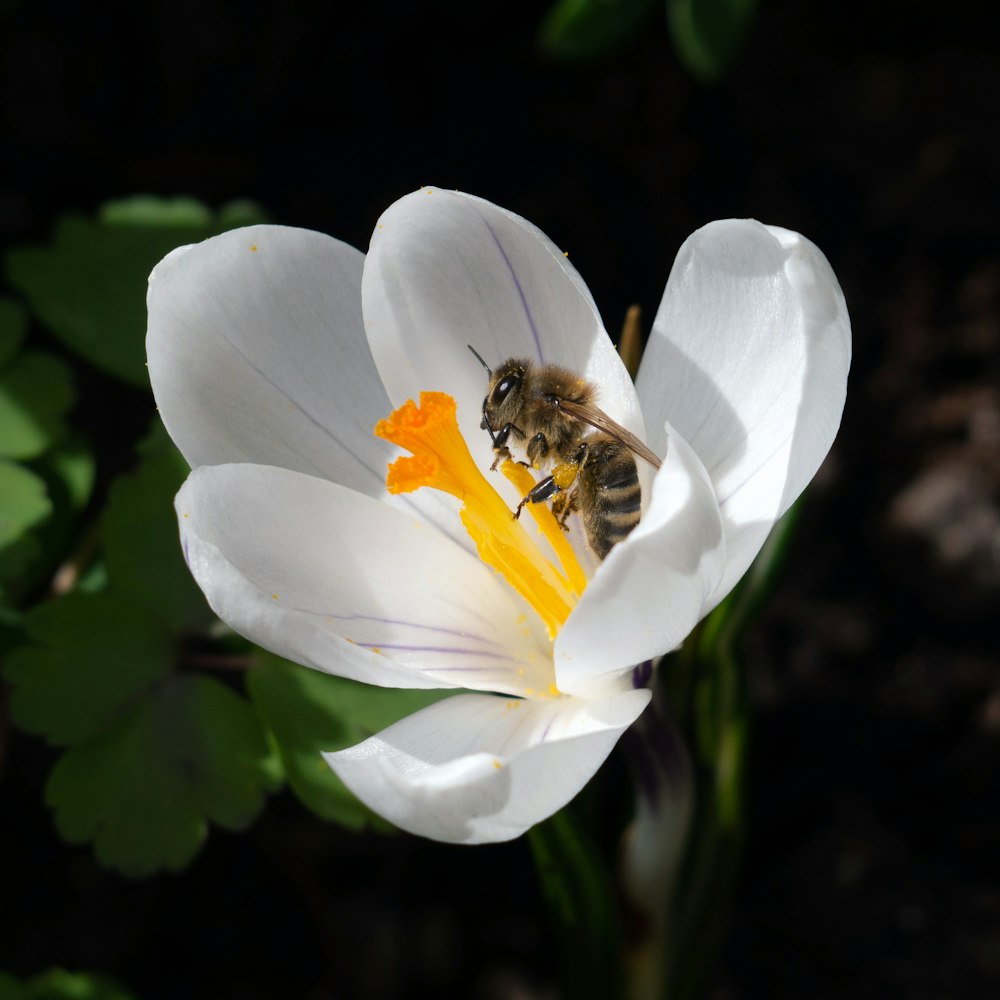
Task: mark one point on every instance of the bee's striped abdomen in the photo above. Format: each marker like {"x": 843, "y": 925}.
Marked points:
{"x": 610, "y": 495}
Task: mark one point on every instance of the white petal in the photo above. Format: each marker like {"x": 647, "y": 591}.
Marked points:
{"x": 257, "y": 353}
{"x": 477, "y": 769}
{"x": 338, "y": 581}
{"x": 748, "y": 359}
{"x": 445, "y": 270}
{"x": 653, "y": 587}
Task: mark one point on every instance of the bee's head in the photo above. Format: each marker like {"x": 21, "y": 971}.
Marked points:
{"x": 504, "y": 395}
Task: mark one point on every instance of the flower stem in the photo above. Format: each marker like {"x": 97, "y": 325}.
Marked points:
{"x": 580, "y": 896}
{"x": 688, "y": 900}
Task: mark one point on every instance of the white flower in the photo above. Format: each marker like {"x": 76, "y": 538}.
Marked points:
{"x": 273, "y": 352}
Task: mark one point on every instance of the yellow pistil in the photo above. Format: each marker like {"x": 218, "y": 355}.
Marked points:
{"x": 440, "y": 459}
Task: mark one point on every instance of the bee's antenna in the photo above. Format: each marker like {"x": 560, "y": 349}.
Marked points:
{"x": 489, "y": 371}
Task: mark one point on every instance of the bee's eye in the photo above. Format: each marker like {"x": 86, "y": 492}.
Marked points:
{"x": 504, "y": 386}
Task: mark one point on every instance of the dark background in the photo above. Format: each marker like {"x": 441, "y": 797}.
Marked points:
{"x": 872, "y": 868}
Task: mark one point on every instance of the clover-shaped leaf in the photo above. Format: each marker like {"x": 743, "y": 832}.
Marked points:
{"x": 88, "y": 286}
{"x": 308, "y": 712}
{"x": 95, "y": 656}
{"x": 154, "y": 754}
{"x": 144, "y": 790}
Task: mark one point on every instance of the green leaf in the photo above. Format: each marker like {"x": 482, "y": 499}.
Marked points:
{"x": 94, "y": 656}
{"x": 89, "y": 285}
{"x": 141, "y": 543}
{"x": 707, "y": 34}
{"x": 24, "y": 502}
{"x": 145, "y": 791}
{"x": 58, "y": 984}
{"x": 35, "y": 391}
{"x": 13, "y": 326}
{"x": 320, "y": 790}
{"x": 147, "y": 211}
{"x": 240, "y": 212}
{"x": 723, "y": 628}
{"x": 68, "y": 472}
{"x": 308, "y": 711}
{"x": 588, "y": 29}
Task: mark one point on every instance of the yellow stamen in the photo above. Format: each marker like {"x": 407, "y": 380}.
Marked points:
{"x": 548, "y": 526}
{"x": 440, "y": 459}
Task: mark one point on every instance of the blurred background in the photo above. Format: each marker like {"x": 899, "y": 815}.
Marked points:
{"x": 872, "y": 867}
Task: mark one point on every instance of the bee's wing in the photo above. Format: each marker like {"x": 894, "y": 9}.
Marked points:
{"x": 596, "y": 417}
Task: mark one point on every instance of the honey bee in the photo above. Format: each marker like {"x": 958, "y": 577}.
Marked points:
{"x": 553, "y": 412}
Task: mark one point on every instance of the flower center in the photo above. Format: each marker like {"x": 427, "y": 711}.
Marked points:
{"x": 440, "y": 459}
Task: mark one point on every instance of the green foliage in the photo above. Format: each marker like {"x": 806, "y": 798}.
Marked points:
{"x": 588, "y": 29}
{"x": 154, "y": 755}
{"x": 89, "y": 285}
{"x": 66, "y": 473}
{"x": 308, "y": 712}
{"x": 141, "y": 547}
{"x": 153, "y": 752}
{"x": 58, "y": 984}
{"x": 707, "y": 34}
{"x": 36, "y": 390}
{"x": 24, "y": 503}
{"x": 37, "y": 500}
{"x": 580, "y": 897}
{"x": 70, "y": 468}
{"x": 145, "y": 790}
{"x": 94, "y": 657}
{"x": 705, "y": 685}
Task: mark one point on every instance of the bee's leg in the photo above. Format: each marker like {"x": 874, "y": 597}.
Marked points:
{"x": 542, "y": 491}
{"x": 579, "y": 458}
{"x": 562, "y": 478}
{"x": 502, "y": 452}
{"x": 538, "y": 449}
{"x": 565, "y": 503}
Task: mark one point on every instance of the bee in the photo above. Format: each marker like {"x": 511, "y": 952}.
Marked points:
{"x": 552, "y": 411}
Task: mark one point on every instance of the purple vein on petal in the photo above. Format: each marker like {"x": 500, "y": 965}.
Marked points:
{"x": 434, "y": 671}
{"x": 520, "y": 290}
{"x": 440, "y": 630}
{"x": 313, "y": 420}
{"x": 548, "y": 726}
{"x": 404, "y": 647}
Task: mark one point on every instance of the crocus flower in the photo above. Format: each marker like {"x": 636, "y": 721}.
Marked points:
{"x": 274, "y": 353}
